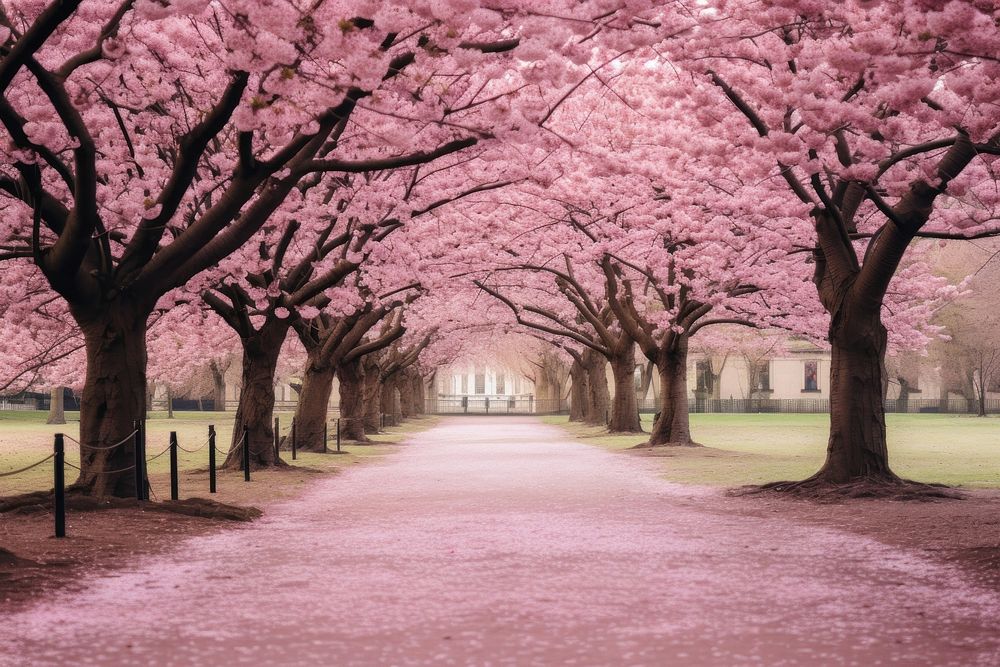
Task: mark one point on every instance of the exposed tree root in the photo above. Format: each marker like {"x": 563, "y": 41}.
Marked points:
{"x": 658, "y": 445}
{"x": 40, "y": 502}
{"x": 9, "y": 559}
{"x": 887, "y": 487}
{"x": 27, "y": 503}
{"x": 279, "y": 464}
{"x": 206, "y": 509}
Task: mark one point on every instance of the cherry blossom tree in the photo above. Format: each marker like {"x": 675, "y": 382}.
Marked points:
{"x": 878, "y": 120}
{"x": 146, "y": 142}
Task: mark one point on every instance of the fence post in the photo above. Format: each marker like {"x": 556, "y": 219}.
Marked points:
{"x": 338, "y": 434}
{"x": 174, "y": 491}
{"x": 246, "y": 454}
{"x": 277, "y": 440}
{"x": 138, "y": 458}
{"x": 326, "y": 433}
{"x": 59, "y": 477}
{"x": 142, "y": 446}
{"x": 293, "y": 438}
{"x": 211, "y": 458}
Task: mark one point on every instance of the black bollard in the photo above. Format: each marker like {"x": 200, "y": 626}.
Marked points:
{"x": 246, "y": 455}
{"x": 59, "y": 477}
{"x": 293, "y": 438}
{"x": 174, "y": 491}
{"x": 138, "y": 458}
{"x": 277, "y": 440}
{"x": 211, "y": 458}
{"x": 142, "y": 457}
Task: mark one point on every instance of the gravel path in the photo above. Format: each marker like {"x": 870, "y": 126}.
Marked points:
{"x": 498, "y": 541}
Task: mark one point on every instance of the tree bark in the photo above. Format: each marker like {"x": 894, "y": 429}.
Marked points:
{"x": 673, "y": 427}
{"x": 624, "y": 408}
{"x": 170, "y": 402}
{"x": 372, "y": 400}
{"x": 598, "y": 397}
{"x": 903, "y": 402}
{"x": 578, "y": 392}
{"x": 218, "y": 387}
{"x": 256, "y": 406}
{"x": 417, "y": 384}
{"x": 405, "y": 388}
{"x": 113, "y": 399}
{"x": 313, "y": 407}
{"x": 857, "y": 446}
{"x": 353, "y": 383}
{"x": 57, "y": 408}
{"x": 390, "y": 401}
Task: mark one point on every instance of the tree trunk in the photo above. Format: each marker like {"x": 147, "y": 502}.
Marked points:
{"x": 390, "y": 401}
{"x": 673, "y": 427}
{"x": 353, "y": 382}
{"x": 57, "y": 408}
{"x": 624, "y": 408}
{"x": 903, "y": 402}
{"x": 114, "y": 398}
{"x": 218, "y": 388}
{"x": 256, "y": 407}
{"x": 417, "y": 387}
{"x": 313, "y": 407}
{"x": 857, "y": 446}
{"x": 170, "y": 403}
{"x": 578, "y": 392}
{"x": 542, "y": 391}
{"x": 404, "y": 386}
{"x": 372, "y": 400}
{"x": 598, "y": 398}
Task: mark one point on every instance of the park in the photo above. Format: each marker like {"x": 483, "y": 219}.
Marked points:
{"x": 590, "y": 332}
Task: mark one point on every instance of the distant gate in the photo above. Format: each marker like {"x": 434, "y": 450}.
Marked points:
{"x": 525, "y": 404}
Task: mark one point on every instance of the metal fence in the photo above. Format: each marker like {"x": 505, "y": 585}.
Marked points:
{"x": 19, "y": 404}
{"x": 494, "y": 405}
{"x": 822, "y": 405}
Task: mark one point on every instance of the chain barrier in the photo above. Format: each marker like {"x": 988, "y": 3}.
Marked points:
{"x": 11, "y": 473}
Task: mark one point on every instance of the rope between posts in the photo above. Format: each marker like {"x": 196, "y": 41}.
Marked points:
{"x": 112, "y": 472}
{"x": 101, "y": 472}
{"x": 26, "y": 468}
{"x": 101, "y": 449}
{"x": 196, "y": 449}
{"x": 150, "y": 460}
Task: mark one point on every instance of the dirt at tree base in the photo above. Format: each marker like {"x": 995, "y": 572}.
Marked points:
{"x": 104, "y": 535}
{"x": 41, "y": 503}
{"x": 821, "y": 490}
{"x": 666, "y": 446}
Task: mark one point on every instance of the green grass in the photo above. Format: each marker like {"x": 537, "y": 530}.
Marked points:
{"x": 957, "y": 450}
{"x": 26, "y": 438}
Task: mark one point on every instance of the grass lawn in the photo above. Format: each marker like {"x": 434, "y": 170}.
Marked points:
{"x": 26, "y": 438}
{"x": 958, "y": 450}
